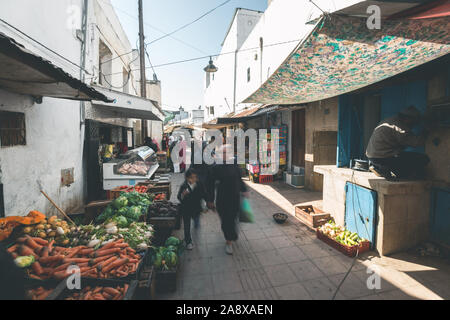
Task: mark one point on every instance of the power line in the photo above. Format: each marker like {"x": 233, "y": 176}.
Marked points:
{"x": 44, "y": 46}
{"x": 151, "y": 26}
{"x": 190, "y": 23}
{"x": 215, "y": 55}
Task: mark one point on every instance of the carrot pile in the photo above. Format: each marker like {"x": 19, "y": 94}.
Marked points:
{"x": 113, "y": 260}
{"x": 100, "y": 293}
{"x": 39, "y": 293}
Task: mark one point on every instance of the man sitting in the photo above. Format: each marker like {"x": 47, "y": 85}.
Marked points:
{"x": 388, "y": 142}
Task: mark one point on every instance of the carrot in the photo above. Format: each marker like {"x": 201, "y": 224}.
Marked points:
{"x": 32, "y": 276}
{"x": 115, "y": 264}
{"x": 111, "y": 291}
{"x": 21, "y": 240}
{"x": 86, "y": 252}
{"x": 74, "y": 252}
{"x": 13, "y": 248}
{"x": 125, "y": 288}
{"x": 97, "y": 290}
{"x": 32, "y": 244}
{"x": 27, "y": 251}
{"x": 106, "y": 252}
{"x": 51, "y": 259}
{"x": 107, "y": 296}
{"x": 37, "y": 269}
{"x": 60, "y": 275}
{"x": 50, "y": 246}
{"x": 100, "y": 259}
{"x": 40, "y": 241}
{"x": 44, "y": 295}
{"x": 76, "y": 260}
{"x": 107, "y": 246}
{"x": 106, "y": 263}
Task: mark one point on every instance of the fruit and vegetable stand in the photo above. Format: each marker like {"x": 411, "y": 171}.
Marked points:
{"x": 114, "y": 254}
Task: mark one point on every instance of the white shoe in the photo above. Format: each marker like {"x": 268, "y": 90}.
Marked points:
{"x": 229, "y": 249}
{"x": 190, "y": 246}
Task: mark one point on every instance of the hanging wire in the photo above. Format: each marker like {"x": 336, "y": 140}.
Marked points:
{"x": 190, "y": 23}
{"x": 216, "y": 55}
{"x": 165, "y": 34}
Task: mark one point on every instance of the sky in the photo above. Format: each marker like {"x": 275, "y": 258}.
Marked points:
{"x": 182, "y": 84}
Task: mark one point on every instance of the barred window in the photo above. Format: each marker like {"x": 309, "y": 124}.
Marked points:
{"x": 12, "y": 129}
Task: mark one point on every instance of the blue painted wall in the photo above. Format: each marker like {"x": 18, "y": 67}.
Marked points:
{"x": 351, "y": 113}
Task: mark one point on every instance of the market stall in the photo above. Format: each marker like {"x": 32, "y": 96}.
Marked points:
{"x": 135, "y": 166}
{"x": 114, "y": 254}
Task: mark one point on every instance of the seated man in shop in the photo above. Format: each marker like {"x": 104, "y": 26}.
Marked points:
{"x": 388, "y": 142}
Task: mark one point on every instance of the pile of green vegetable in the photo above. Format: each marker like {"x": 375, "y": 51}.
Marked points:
{"x": 137, "y": 235}
{"x": 340, "y": 234}
{"x": 166, "y": 258}
{"x": 126, "y": 209}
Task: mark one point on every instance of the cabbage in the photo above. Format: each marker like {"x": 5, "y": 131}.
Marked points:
{"x": 172, "y": 241}
{"x": 120, "y": 202}
{"x": 121, "y": 221}
{"x": 134, "y": 213}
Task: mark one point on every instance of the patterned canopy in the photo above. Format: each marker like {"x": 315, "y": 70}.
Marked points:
{"x": 342, "y": 55}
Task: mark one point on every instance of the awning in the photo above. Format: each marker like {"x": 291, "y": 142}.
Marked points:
{"x": 342, "y": 55}
{"x": 434, "y": 9}
{"x": 243, "y": 116}
{"x": 126, "y": 106}
{"x": 24, "y": 72}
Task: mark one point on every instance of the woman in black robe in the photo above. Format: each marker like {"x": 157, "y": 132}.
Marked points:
{"x": 228, "y": 200}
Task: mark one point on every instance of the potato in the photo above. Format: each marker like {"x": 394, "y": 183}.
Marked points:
{"x": 27, "y": 230}
{"x": 52, "y": 234}
{"x": 40, "y": 227}
{"x": 42, "y": 235}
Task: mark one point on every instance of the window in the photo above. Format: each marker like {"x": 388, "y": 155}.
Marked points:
{"x": 12, "y": 129}
{"x": 211, "y": 110}
{"x": 248, "y": 75}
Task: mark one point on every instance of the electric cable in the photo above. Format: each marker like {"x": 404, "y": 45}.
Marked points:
{"x": 165, "y": 34}
{"x": 214, "y": 55}
{"x": 190, "y": 23}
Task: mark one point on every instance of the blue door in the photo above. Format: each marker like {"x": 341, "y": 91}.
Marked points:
{"x": 361, "y": 211}
{"x": 440, "y": 216}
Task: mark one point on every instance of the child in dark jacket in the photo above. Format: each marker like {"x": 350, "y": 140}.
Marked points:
{"x": 190, "y": 195}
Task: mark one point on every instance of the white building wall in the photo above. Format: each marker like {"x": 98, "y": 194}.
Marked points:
{"x": 281, "y": 27}
{"x": 220, "y": 92}
{"x": 53, "y": 131}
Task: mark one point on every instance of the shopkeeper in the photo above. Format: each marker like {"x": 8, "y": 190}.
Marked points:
{"x": 386, "y": 148}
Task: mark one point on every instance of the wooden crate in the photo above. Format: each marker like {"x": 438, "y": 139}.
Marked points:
{"x": 311, "y": 216}
{"x": 115, "y": 193}
{"x": 349, "y": 251}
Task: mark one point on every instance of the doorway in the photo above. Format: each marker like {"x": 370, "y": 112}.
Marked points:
{"x": 298, "y": 138}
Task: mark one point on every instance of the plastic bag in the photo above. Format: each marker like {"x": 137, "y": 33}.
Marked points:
{"x": 246, "y": 214}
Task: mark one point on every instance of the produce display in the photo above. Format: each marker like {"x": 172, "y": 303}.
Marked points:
{"x": 163, "y": 209}
{"x": 166, "y": 258}
{"x": 160, "y": 197}
{"x": 43, "y": 260}
{"x": 128, "y": 208}
{"x": 39, "y": 293}
{"x": 137, "y": 235}
{"x": 136, "y": 168}
{"x": 100, "y": 293}
{"x": 340, "y": 234}
{"x": 52, "y": 228}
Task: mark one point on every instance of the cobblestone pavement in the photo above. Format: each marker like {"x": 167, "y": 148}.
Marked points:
{"x": 287, "y": 261}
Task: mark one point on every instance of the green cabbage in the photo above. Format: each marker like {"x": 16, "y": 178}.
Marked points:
{"x": 120, "y": 202}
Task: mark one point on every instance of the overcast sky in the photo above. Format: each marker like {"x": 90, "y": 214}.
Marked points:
{"x": 182, "y": 84}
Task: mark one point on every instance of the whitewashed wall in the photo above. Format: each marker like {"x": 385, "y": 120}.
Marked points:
{"x": 53, "y": 131}
{"x": 284, "y": 21}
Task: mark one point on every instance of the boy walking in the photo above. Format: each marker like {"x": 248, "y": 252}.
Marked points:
{"x": 190, "y": 195}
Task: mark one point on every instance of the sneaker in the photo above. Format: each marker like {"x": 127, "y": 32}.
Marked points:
{"x": 190, "y": 246}
{"x": 229, "y": 249}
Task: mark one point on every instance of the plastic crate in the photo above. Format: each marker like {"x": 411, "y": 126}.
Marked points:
{"x": 349, "y": 251}
{"x": 166, "y": 281}
{"x": 62, "y": 292}
{"x": 265, "y": 179}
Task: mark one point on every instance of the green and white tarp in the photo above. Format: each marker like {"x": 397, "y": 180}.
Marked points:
{"x": 342, "y": 55}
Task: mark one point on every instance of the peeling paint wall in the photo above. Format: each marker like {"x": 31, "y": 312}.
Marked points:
{"x": 54, "y": 137}
{"x": 320, "y": 116}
